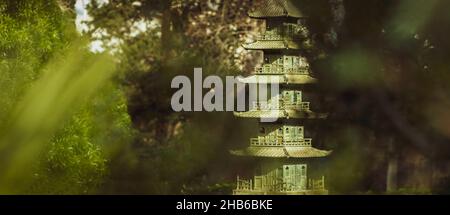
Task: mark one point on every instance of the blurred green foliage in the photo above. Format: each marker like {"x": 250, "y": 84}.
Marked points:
{"x": 355, "y": 67}
{"x": 62, "y": 116}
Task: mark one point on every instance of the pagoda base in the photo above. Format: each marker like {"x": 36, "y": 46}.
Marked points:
{"x": 262, "y": 192}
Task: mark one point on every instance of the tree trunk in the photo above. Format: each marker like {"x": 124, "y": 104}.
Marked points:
{"x": 165, "y": 30}
{"x": 338, "y": 14}
{"x": 392, "y": 168}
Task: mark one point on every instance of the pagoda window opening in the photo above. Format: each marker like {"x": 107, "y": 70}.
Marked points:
{"x": 294, "y": 98}
{"x": 262, "y": 130}
{"x": 258, "y": 170}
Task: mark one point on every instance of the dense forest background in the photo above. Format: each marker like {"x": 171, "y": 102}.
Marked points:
{"x": 74, "y": 121}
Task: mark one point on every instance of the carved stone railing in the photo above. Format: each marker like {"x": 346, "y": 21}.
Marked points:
{"x": 267, "y": 105}
{"x": 302, "y": 142}
{"x": 317, "y": 184}
{"x": 244, "y": 184}
{"x": 279, "y": 186}
{"x": 301, "y": 106}
{"x": 264, "y": 141}
{"x": 278, "y": 69}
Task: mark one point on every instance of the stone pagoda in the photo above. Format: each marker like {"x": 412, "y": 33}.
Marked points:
{"x": 287, "y": 161}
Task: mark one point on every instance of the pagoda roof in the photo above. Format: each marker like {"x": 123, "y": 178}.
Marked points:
{"x": 275, "y": 8}
{"x": 272, "y": 44}
{"x": 261, "y": 114}
{"x": 289, "y": 113}
{"x": 278, "y": 79}
{"x": 281, "y": 152}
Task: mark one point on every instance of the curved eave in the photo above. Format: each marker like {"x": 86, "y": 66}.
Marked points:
{"x": 257, "y": 15}
{"x": 282, "y": 114}
{"x": 272, "y": 45}
{"x": 261, "y": 114}
{"x": 278, "y": 79}
{"x": 281, "y": 152}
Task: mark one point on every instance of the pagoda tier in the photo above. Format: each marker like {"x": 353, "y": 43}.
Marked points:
{"x": 282, "y": 34}
{"x": 281, "y": 141}
{"x": 288, "y": 104}
{"x": 283, "y": 177}
{"x": 283, "y": 64}
{"x": 281, "y": 68}
{"x": 290, "y": 37}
